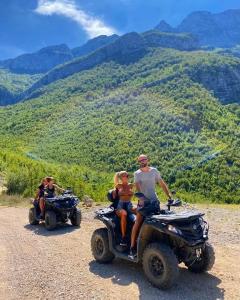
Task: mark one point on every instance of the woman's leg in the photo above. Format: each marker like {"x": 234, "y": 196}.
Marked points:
{"x": 135, "y": 229}
{"x": 122, "y": 214}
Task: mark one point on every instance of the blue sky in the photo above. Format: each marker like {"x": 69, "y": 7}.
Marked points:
{"x": 28, "y": 25}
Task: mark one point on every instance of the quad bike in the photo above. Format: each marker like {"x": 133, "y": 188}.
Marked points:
{"x": 57, "y": 210}
{"x": 165, "y": 240}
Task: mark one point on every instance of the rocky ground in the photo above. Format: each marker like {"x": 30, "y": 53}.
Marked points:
{"x": 37, "y": 264}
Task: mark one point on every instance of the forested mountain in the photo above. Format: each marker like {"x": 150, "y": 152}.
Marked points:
{"x": 40, "y": 61}
{"x": 217, "y": 30}
{"x": 96, "y": 120}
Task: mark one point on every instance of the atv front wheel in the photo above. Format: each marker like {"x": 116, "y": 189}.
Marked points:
{"x": 100, "y": 246}
{"x": 50, "y": 220}
{"x": 205, "y": 262}
{"x": 160, "y": 265}
{"x": 76, "y": 217}
{"x": 32, "y": 216}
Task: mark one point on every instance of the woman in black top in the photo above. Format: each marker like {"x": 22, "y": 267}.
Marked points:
{"x": 40, "y": 195}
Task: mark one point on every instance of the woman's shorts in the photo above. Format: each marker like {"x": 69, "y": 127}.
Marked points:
{"x": 126, "y": 205}
{"x": 148, "y": 208}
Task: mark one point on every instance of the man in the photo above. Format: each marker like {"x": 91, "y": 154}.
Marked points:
{"x": 145, "y": 180}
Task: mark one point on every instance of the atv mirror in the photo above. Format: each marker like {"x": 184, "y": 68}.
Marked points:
{"x": 173, "y": 192}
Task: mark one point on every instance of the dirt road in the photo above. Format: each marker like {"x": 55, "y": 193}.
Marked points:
{"x": 36, "y": 264}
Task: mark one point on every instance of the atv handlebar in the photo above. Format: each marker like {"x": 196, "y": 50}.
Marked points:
{"x": 174, "y": 202}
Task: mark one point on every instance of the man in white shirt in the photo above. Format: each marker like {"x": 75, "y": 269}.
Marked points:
{"x": 146, "y": 179}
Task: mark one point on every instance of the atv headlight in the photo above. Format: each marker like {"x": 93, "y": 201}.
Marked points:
{"x": 174, "y": 229}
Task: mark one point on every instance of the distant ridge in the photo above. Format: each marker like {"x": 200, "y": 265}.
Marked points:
{"x": 47, "y": 58}
{"x": 217, "y": 30}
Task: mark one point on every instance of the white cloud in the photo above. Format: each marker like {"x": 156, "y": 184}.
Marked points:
{"x": 68, "y": 8}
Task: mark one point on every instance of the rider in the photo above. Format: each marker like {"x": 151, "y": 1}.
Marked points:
{"x": 145, "y": 179}
{"x": 51, "y": 188}
{"x": 125, "y": 207}
{"x": 40, "y": 196}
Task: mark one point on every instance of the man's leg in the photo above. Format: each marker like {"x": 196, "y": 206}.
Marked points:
{"x": 135, "y": 229}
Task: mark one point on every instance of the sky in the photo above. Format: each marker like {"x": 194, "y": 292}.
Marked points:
{"x": 28, "y": 25}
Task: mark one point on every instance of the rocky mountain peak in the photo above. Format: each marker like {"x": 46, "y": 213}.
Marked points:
{"x": 163, "y": 26}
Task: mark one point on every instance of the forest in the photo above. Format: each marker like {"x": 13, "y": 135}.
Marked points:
{"x": 85, "y": 127}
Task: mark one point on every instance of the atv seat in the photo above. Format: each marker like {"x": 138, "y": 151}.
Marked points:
{"x": 181, "y": 216}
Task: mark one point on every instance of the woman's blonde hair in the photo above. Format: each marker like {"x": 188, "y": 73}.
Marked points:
{"x": 118, "y": 176}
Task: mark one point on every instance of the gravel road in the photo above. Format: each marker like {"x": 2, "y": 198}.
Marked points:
{"x": 36, "y": 264}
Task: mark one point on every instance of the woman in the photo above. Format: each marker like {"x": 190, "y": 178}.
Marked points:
{"x": 51, "y": 188}
{"x": 125, "y": 207}
{"x": 40, "y": 196}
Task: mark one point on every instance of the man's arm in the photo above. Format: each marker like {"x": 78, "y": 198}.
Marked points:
{"x": 165, "y": 188}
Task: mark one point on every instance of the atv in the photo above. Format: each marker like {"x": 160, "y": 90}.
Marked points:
{"x": 165, "y": 240}
{"x": 57, "y": 210}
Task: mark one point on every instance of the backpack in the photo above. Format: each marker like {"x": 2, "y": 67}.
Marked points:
{"x": 113, "y": 199}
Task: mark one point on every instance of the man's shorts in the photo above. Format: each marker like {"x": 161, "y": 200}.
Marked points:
{"x": 148, "y": 208}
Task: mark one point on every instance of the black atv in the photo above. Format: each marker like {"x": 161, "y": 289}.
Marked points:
{"x": 57, "y": 210}
{"x": 165, "y": 240}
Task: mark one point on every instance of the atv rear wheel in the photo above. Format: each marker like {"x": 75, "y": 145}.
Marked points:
{"x": 206, "y": 261}
{"x": 76, "y": 217}
{"x": 50, "y": 220}
{"x": 160, "y": 265}
{"x": 100, "y": 246}
{"x": 32, "y": 216}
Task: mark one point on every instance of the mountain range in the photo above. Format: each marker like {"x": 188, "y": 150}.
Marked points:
{"x": 215, "y": 30}
{"x": 80, "y": 114}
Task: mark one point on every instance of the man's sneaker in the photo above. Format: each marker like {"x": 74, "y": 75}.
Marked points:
{"x": 123, "y": 242}
{"x": 132, "y": 254}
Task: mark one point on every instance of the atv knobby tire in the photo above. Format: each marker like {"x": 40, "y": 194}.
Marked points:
{"x": 76, "y": 217}
{"x": 100, "y": 246}
{"x": 50, "y": 220}
{"x": 32, "y": 216}
{"x": 206, "y": 262}
{"x": 160, "y": 265}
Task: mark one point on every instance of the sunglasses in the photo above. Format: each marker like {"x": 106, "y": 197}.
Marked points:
{"x": 125, "y": 175}
{"x": 142, "y": 160}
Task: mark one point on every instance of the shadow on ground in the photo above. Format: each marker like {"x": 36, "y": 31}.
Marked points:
{"x": 189, "y": 285}
{"x": 59, "y": 230}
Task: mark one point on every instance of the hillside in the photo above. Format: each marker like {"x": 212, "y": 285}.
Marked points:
{"x": 102, "y": 118}
{"x": 12, "y": 84}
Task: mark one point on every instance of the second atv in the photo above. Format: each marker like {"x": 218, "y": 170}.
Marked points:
{"x": 57, "y": 210}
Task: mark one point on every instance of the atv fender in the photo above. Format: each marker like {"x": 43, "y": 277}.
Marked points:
{"x": 109, "y": 226}
{"x": 150, "y": 233}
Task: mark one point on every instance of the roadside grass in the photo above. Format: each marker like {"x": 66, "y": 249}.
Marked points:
{"x": 19, "y": 201}
{"x": 14, "y": 201}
